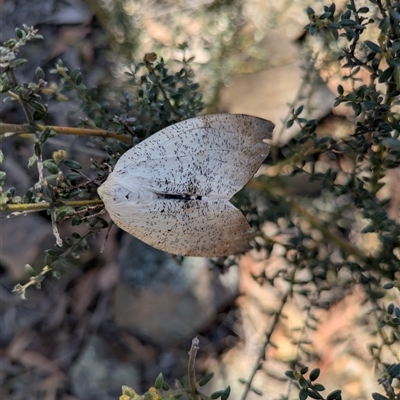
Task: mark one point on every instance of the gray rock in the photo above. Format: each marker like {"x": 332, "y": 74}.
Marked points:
{"x": 99, "y": 374}
{"x": 165, "y": 302}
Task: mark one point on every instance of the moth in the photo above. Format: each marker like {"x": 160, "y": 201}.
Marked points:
{"x": 172, "y": 190}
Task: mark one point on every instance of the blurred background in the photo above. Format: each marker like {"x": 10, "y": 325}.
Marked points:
{"x": 130, "y": 312}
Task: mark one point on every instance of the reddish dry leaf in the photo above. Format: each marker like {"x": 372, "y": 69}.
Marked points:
{"x": 31, "y": 358}
{"x": 85, "y": 290}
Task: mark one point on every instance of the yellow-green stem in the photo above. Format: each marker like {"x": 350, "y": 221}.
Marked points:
{"x": 36, "y": 207}
{"x": 7, "y": 130}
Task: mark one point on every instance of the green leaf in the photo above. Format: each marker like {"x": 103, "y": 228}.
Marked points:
{"x": 20, "y": 33}
{"x": 386, "y": 74}
{"x": 217, "y": 394}
{"x": 45, "y": 135}
{"x": 394, "y": 371}
{"x": 313, "y": 395}
{"x": 78, "y": 79}
{"x": 159, "y": 381}
{"x": 30, "y": 270}
{"x": 304, "y": 370}
{"x": 377, "y": 396}
{"x": 1, "y": 157}
{"x": 73, "y": 176}
{"x": 388, "y": 286}
{"x": 303, "y": 394}
{"x": 51, "y": 167}
{"x": 368, "y": 229}
{"x": 72, "y": 164}
{"x": 18, "y": 63}
{"x": 314, "y": 374}
{"x": 290, "y": 374}
{"x": 303, "y": 382}
{"x": 32, "y": 161}
{"x": 299, "y": 110}
{"x": 226, "y": 393}
{"x": 63, "y": 212}
{"x": 335, "y": 395}
{"x": 310, "y": 11}
{"x": 347, "y": 22}
{"x": 39, "y": 73}
{"x": 374, "y": 47}
{"x": 203, "y": 381}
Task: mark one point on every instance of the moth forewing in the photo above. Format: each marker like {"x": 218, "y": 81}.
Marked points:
{"x": 172, "y": 190}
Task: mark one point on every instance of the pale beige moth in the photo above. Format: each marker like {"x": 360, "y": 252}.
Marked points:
{"x": 172, "y": 190}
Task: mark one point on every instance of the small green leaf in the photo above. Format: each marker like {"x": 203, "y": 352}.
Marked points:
{"x": 217, "y": 394}
{"x": 51, "y": 167}
{"x": 303, "y": 383}
{"x": 386, "y": 74}
{"x": 319, "y": 387}
{"x": 73, "y": 176}
{"x": 394, "y": 370}
{"x": 310, "y": 11}
{"x": 347, "y": 22}
{"x": 377, "y": 396}
{"x": 303, "y": 394}
{"x": 18, "y": 63}
{"x": 159, "y": 381}
{"x": 78, "y": 79}
{"x": 304, "y": 370}
{"x": 39, "y": 73}
{"x": 290, "y": 374}
{"x": 388, "y": 286}
{"x": 20, "y": 33}
{"x": 313, "y": 395}
{"x": 374, "y": 47}
{"x": 314, "y": 374}
{"x": 63, "y": 212}
{"x": 72, "y": 164}
{"x": 226, "y": 393}
{"x": 32, "y": 161}
{"x": 335, "y": 395}
{"x": 46, "y": 134}
{"x": 30, "y": 270}
{"x": 203, "y": 381}
{"x": 1, "y": 157}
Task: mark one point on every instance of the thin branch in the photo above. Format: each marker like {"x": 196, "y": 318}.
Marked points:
{"x": 26, "y": 207}
{"x": 191, "y": 368}
{"x": 314, "y": 222}
{"x": 21, "y": 101}
{"x": 150, "y": 68}
{"x": 267, "y": 341}
{"x": 8, "y": 130}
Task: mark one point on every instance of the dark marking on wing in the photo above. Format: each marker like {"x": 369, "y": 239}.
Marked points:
{"x": 184, "y": 196}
